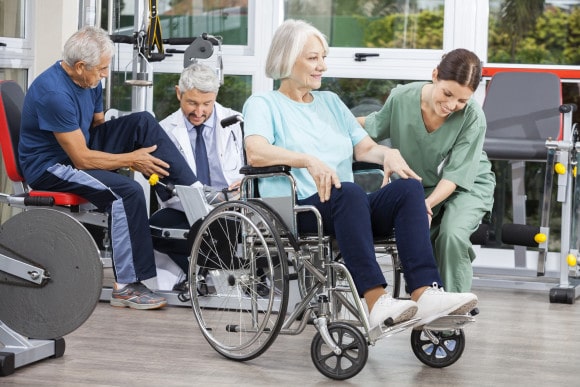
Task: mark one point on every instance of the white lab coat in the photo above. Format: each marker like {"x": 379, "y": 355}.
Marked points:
{"x": 230, "y": 149}
{"x": 229, "y": 142}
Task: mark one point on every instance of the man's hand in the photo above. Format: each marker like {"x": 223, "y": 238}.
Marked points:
{"x": 147, "y": 164}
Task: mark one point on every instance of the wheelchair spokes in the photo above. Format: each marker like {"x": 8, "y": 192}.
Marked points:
{"x": 239, "y": 262}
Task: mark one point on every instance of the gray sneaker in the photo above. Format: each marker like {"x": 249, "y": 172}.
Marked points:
{"x": 137, "y": 296}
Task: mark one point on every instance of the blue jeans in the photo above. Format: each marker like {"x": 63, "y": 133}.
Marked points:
{"x": 119, "y": 195}
{"x": 354, "y": 218}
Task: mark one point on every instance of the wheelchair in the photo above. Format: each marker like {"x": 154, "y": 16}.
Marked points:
{"x": 247, "y": 262}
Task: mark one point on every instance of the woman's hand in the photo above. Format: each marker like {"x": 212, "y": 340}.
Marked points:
{"x": 429, "y": 212}
{"x": 395, "y": 163}
{"x": 324, "y": 177}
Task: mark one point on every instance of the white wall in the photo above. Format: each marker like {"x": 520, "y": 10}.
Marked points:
{"x": 54, "y": 22}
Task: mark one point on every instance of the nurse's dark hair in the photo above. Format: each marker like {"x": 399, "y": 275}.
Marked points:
{"x": 462, "y": 66}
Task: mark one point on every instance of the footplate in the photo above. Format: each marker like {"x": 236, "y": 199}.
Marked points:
{"x": 380, "y": 332}
{"x": 449, "y": 322}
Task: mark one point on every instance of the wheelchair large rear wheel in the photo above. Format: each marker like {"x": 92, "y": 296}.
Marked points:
{"x": 239, "y": 280}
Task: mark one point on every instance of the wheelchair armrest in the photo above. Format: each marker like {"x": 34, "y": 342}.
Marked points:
{"x": 363, "y": 166}
{"x": 249, "y": 170}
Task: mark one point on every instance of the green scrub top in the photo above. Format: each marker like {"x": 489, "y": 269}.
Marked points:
{"x": 453, "y": 152}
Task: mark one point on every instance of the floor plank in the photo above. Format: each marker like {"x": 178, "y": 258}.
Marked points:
{"x": 519, "y": 339}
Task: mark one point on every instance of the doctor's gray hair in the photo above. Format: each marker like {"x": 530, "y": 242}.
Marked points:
{"x": 200, "y": 77}
{"x": 287, "y": 44}
{"x": 89, "y": 45}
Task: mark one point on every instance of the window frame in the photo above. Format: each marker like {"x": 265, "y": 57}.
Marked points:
{"x": 19, "y": 52}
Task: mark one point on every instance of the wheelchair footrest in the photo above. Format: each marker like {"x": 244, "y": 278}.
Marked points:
{"x": 449, "y": 322}
{"x": 380, "y": 332}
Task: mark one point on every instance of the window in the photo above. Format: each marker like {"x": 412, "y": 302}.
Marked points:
{"x": 187, "y": 18}
{"x": 12, "y": 17}
{"x": 540, "y": 32}
{"x": 380, "y": 24}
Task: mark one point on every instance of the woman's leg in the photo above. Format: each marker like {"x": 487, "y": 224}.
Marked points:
{"x": 347, "y": 216}
{"x": 400, "y": 205}
{"x": 458, "y": 219}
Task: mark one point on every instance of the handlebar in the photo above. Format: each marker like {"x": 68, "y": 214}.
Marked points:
{"x": 132, "y": 39}
{"x": 232, "y": 120}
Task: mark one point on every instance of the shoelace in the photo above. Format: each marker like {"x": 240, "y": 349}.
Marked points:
{"x": 436, "y": 288}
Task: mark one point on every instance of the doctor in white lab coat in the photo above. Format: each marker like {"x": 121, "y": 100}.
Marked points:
{"x": 197, "y": 92}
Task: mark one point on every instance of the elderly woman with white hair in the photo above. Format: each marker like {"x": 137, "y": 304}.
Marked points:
{"x": 316, "y": 134}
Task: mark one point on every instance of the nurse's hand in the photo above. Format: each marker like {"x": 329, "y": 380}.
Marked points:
{"x": 429, "y": 212}
{"x": 393, "y": 162}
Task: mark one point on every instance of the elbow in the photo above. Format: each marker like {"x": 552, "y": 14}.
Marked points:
{"x": 254, "y": 160}
{"x": 253, "y": 157}
{"x": 83, "y": 162}
{"x": 79, "y": 164}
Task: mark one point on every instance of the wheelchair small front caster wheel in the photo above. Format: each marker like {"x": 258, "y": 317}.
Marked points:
{"x": 354, "y": 352}
{"x": 445, "y": 350}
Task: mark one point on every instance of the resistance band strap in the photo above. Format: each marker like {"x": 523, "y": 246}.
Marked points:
{"x": 154, "y": 39}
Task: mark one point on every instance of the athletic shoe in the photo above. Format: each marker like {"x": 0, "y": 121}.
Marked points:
{"x": 389, "y": 311}
{"x": 137, "y": 296}
{"x": 435, "y": 302}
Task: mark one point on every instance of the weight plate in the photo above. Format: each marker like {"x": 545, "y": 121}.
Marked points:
{"x": 62, "y": 246}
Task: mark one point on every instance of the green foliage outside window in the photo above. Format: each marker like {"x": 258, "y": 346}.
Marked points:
{"x": 420, "y": 30}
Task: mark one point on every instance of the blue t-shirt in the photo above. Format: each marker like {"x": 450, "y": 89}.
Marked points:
{"x": 53, "y": 103}
{"x": 324, "y": 128}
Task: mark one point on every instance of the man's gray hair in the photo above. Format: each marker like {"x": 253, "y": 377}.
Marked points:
{"x": 287, "y": 44}
{"x": 200, "y": 77}
{"x": 89, "y": 45}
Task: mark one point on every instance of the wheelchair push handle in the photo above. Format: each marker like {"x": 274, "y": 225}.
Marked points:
{"x": 232, "y": 120}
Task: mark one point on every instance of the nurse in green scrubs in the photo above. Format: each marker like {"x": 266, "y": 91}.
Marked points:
{"x": 439, "y": 130}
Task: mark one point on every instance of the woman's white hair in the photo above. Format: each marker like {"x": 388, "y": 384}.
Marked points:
{"x": 287, "y": 44}
{"x": 200, "y": 77}
{"x": 89, "y": 45}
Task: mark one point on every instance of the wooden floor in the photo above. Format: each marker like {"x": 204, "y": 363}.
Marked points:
{"x": 519, "y": 339}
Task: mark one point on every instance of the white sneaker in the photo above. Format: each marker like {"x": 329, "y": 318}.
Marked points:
{"x": 389, "y": 308}
{"x": 436, "y": 302}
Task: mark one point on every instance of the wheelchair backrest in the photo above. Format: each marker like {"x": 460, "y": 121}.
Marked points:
{"x": 11, "y": 102}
